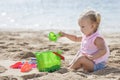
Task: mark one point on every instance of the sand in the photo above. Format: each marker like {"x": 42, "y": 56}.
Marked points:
{"x": 20, "y": 45}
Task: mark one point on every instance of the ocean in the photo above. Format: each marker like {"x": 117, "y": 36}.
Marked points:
{"x": 56, "y": 14}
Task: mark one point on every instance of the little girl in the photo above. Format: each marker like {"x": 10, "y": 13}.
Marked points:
{"x": 94, "y": 52}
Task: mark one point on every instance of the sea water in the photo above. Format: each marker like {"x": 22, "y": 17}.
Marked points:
{"x": 56, "y": 14}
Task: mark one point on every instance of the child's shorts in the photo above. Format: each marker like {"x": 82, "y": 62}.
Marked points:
{"x": 99, "y": 66}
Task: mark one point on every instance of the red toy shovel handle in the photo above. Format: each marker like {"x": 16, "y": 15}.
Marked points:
{"x": 62, "y": 57}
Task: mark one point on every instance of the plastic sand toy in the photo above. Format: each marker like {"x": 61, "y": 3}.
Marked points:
{"x": 48, "y": 61}
{"x": 26, "y": 67}
{"x": 17, "y": 65}
{"x": 53, "y": 37}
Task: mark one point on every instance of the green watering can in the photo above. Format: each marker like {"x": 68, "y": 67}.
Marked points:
{"x": 48, "y": 61}
{"x": 53, "y": 37}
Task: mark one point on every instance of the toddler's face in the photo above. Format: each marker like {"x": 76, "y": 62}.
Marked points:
{"x": 86, "y": 26}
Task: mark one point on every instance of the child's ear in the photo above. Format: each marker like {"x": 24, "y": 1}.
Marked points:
{"x": 93, "y": 25}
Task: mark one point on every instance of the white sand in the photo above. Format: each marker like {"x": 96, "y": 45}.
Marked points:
{"x": 19, "y": 46}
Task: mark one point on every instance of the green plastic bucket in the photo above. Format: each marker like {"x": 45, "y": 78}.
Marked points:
{"x": 47, "y": 61}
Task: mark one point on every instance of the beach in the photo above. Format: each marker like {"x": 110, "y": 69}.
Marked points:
{"x": 20, "y": 45}
{"x": 24, "y": 29}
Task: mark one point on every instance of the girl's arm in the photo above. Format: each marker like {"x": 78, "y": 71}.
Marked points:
{"x": 71, "y": 37}
{"x": 99, "y": 42}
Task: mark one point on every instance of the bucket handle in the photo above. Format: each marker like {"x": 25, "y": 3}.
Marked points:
{"x": 62, "y": 57}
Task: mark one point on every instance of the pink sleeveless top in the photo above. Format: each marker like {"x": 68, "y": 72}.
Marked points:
{"x": 88, "y": 47}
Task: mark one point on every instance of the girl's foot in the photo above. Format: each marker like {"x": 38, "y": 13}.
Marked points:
{"x": 68, "y": 65}
{"x": 71, "y": 70}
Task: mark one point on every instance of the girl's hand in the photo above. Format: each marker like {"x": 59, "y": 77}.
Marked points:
{"x": 88, "y": 56}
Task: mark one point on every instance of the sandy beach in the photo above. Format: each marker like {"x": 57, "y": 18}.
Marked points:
{"x": 20, "y": 45}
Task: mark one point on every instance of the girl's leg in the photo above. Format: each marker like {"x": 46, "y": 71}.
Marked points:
{"x": 74, "y": 59}
{"x": 88, "y": 65}
{"x": 84, "y": 62}
{"x": 76, "y": 64}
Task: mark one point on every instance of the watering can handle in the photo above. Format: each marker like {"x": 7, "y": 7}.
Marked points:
{"x": 62, "y": 57}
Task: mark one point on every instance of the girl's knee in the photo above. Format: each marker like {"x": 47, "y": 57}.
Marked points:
{"x": 82, "y": 59}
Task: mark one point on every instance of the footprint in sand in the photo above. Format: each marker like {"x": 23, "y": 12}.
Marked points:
{"x": 4, "y": 78}
{"x": 2, "y": 69}
{"x": 2, "y": 42}
{"x": 11, "y": 77}
{"x": 65, "y": 44}
{"x": 62, "y": 70}
{"x": 112, "y": 49}
{"x": 14, "y": 50}
{"x": 65, "y": 49}
{"x": 118, "y": 52}
{"x": 51, "y": 45}
{"x": 23, "y": 44}
{"x": 31, "y": 48}
{"x": 11, "y": 39}
{"x": 33, "y": 75}
{"x": 3, "y": 47}
{"x": 60, "y": 47}
{"x": 10, "y": 44}
{"x": 24, "y": 55}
